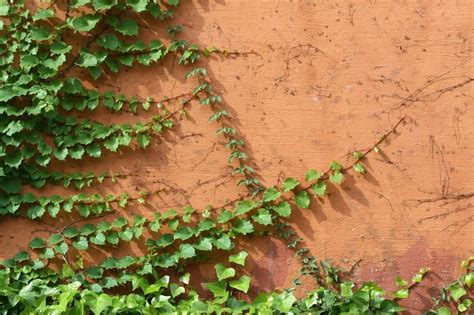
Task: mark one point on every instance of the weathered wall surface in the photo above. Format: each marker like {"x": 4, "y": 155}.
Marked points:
{"x": 318, "y": 80}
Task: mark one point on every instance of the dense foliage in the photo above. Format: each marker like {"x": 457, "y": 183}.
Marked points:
{"x": 44, "y": 84}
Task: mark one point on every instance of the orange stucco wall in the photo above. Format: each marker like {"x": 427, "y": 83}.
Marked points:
{"x": 322, "y": 78}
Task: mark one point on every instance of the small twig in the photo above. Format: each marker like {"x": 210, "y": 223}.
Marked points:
{"x": 42, "y": 221}
{"x": 354, "y": 265}
{"x": 446, "y": 197}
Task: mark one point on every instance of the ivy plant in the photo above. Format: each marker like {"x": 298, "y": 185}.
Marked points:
{"x": 45, "y": 89}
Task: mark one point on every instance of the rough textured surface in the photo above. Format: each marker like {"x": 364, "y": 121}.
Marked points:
{"x": 315, "y": 81}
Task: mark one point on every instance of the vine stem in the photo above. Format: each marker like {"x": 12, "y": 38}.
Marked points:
{"x": 369, "y": 150}
{"x": 326, "y": 174}
{"x": 84, "y": 219}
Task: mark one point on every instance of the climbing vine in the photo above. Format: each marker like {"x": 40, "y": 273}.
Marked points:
{"x": 45, "y": 83}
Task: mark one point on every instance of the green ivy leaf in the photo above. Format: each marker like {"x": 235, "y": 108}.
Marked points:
{"x": 21, "y": 256}
{"x": 119, "y": 222}
{"x": 419, "y": 275}
{"x": 464, "y": 305}
{"x": 85, "y": 23}
{"x": 126, "y": 60}
{"x": 29, "y": 198}
{"x": 126, "y": 235}
{"x": 289, "y": 184}
{"x": 173, "y": 224}
{"x": 37, "y": 243}
{"x": 12, "y": 186}
{"x": 60, "y": 48}
{"x": 35, "y": 212}
{"x": 55, "y": 239}
{"x": 243, "y": 207}
{"x": 53, "y": 209}
{"x": 61, "y": 248}
{"x": 109, "y": 263}
{"x": 443, "y": 311}
{"x": 400, "y": 282}
{"x": 78, "y": 3}
{"x": 469, "y": 279}
{"x": 204, "y": 244}
{"x": 359, "y": 168}
{"x": 26, "y": 63}
{"x": 176, "y": 290}
{"x": 111, "y": 144}
{"x": 456, "y": 291}
{"x": 73, "y": 86}
{"x": 47, "y": 254}
{"x": 223, "y": 242}
{"x": 225, "y": 217}
{"x": 81, "y": 244}
{"x": 346, "y": 289}
{"x": 13, "y": 159}
{"x": 223, "y": 272}
{"x": 137, "y": 5}
{"x": 185, "y": 278}
{"x": 183, "y": 233}
{"x": 113, "y": 65}
{"x": 335, "y": 166}
{"x": 109, "y": 282}
{"x": 6, "y": 94}
{"x": 186, "y": 251}
{"x": 319, "y": 188}
{"x": 84, "y": 210}
{"x": 243, "y": 227}
{"x": 241, "y": 284}
{"x": 40, "y": 33}
{"x": 336, "y": 178}
{"x": 87, "y": 229}
{"x": 206, "y": 225}
{"x": 173, "y": 2}
{"x": 125, "y": 262}
{"x": 263, "y": 217}
{"x": 218, "y": 288}
{"x": 99, "y": 304}
{"x": 165, "y": 240}
{"x": 42, "y": 14}
{"x": 60, "y": 154}
{"x": 143, "y": 140}
{"x": 303, "y": 199}
{"x": 93, "y": 150}
{"x": 103, "y": 4}
{"x": 401, "y": 294}
{"x": 312, "y": 175}
{"x": 94, "y": 272}
{"x": 95, "y": 72}
{"x": 14, "y": 127}
{"x": 127, "y": 27}
{"x": 169, "y": 214}
{"x": 357, "y": 155}
{"x": 76, "y": 152}
{"x": 283, "y": 209}
{"x": 112, "y": 238}
{"x": 271, "y": 194}
{"x": 157, "y": 286}
{"x": 87, "y": 60}
{"x": 5, "y": 8}
{"x": 109, "y": 41}
{"x": 98, "y": 239}
{"x": 239, "y": 258}
{"x": 104, "y": 226}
